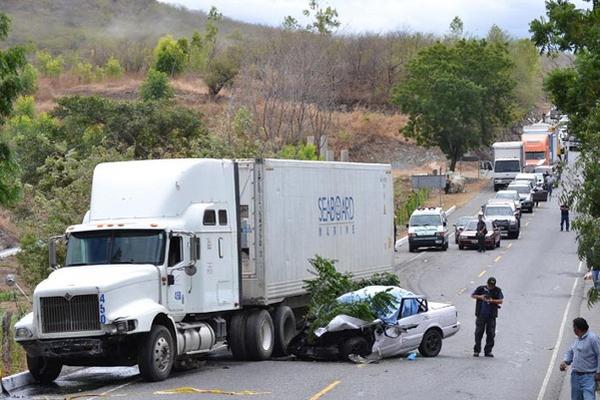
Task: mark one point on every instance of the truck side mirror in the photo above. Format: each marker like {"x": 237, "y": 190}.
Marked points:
{"x": 191, "y": 269}
{"x": 194, "y": 249}
{"x": 52, "y": 253}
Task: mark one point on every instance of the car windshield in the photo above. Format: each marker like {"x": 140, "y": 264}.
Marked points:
{"x": 507, "y": 166}
{"x": 506, "y": 195}
{"x": 116, "y": 247}
{"x": 462, "y": 221}
{"x": 535, "y": 155}
{"x": 521, "y": 189}
{"x": 498, "y": 211}
{"x": 425, "y": 219}
{"x": 472, "y": 225}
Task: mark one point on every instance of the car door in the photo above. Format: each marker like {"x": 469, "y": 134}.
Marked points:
{"x": 413, "y": 314}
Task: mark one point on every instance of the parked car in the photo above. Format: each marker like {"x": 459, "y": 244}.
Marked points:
{"x": 414, "y": 324}
{"x": 524, "y": 191}
{"x": 512, "y": 195}
{"x": 459, "y": 226}
{"x": 428, "y": 227}
{"x": 504, "y": 216}
{"x": 468, "y": 237}
{"x": 527, "y": 177}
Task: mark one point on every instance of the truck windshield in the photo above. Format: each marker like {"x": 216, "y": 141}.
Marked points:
{"x": 116, "y": 247}
{"x": 535, "y": 155}
{"x": 423, "y": 220}
{"x": 507, "y": 166}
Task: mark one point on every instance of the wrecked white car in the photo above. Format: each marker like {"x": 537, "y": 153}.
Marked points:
{"x": 414, "y": 324}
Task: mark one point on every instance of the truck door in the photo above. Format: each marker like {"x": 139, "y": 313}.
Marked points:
{"x": 176, "y": 275}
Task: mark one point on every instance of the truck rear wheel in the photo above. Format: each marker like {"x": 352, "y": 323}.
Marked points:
{"x": 237, "y": 333}
{"x": 284, "y": 321}
{"x": 260, "y": 335}
{"x": 431, "y": 344}
{"x": 43, "y": 369}
{"x": 156, "y": 354}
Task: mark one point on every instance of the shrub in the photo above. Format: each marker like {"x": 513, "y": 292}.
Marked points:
{"x": 112, "y": 68}
{"x": 156, "y": 86}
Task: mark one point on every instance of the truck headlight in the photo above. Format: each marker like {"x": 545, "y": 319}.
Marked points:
{"x": 126, "y": 325}
{"x": 23, "y": 333}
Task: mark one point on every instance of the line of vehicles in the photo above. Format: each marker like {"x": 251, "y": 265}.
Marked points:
{"x": 428, "y": 226}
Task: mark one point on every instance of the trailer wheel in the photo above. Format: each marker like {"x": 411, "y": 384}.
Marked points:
{"x": 260, "y": 335}
{"x": 284, "y": 321}
{"x": 354, "y": 345}
{"x": 431, "y": 344}
{"x": 237, "y": 333}
{"x": 156, "y": 354}
{"x": 43, "y": 369}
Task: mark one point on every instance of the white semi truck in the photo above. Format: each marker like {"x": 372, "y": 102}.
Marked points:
{"x": 178, "y": 258}
{"x": 508, "y": 162}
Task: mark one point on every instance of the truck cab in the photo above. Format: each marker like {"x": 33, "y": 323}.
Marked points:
{"x": 154, "y": 250}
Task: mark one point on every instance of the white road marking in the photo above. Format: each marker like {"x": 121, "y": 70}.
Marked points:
{"x": 509, "y": 246}
{"x": 561, "y": 331}
{"x": 482, "y": 273}
{"x": 497, "y": 259}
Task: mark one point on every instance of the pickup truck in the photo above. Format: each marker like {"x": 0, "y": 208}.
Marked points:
{"x": 415, "y": 324}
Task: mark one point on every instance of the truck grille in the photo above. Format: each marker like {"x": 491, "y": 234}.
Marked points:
{"x": 79, "y": 313}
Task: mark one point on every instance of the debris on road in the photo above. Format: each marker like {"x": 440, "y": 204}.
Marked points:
{"x": 191, "y": 390}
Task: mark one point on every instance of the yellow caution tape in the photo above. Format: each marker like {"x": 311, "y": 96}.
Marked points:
{"x": 191, "y": 390}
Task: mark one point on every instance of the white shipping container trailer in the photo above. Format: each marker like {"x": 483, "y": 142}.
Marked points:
{"x": 177, "y": 258}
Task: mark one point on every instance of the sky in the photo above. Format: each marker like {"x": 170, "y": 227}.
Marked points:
{"x": 380, "y": 16}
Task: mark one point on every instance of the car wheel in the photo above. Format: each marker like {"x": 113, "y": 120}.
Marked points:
{"x": 260, "y": 335}
{"x": 156, "y": 354}
{"x": 498, "y": 244}
{"x": 43, "y": 369}
{"x": 461, "y": 247}
{"x": 445, "y": 246}
{"x": 354, "y": 345}
{"x": 431, "y": 344}
{"x": 285, "y": 329}
{"x": 411, "y": 249}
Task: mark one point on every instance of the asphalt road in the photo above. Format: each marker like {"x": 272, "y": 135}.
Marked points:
{"x": 538, "y": 274}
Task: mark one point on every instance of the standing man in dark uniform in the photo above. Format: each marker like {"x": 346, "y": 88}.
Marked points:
{"x": 481, "y": 232}
{"x": 489, "y": 298}
{"x": 564, "y": 216}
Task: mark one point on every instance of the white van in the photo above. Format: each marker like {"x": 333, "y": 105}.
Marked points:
{"x": 428, "y": 227}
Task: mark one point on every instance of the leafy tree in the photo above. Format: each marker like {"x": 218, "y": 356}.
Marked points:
{"x": 156, "y": 86}
{"x": 221, "y": 70}
{"x": 112, "y": 68}
{"x": 169, "y": 56}
{"x": 49, "y": 66}
{"x": 12, "y": 63}
{"x": 84, "y": 72}
{"x": 325, "y": 20}
{"x": 456, "y": 27}
{"x": 457, "y": 96}
{"x": 575, "y": 90}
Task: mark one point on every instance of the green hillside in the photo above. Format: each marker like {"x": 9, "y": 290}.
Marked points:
{"x": 88, "y": 27}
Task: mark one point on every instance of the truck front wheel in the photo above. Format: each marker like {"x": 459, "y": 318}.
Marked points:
{"x": 260, "y": 335}
{"x": 156, "y": 354}
{"x": 43, "y": 369}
